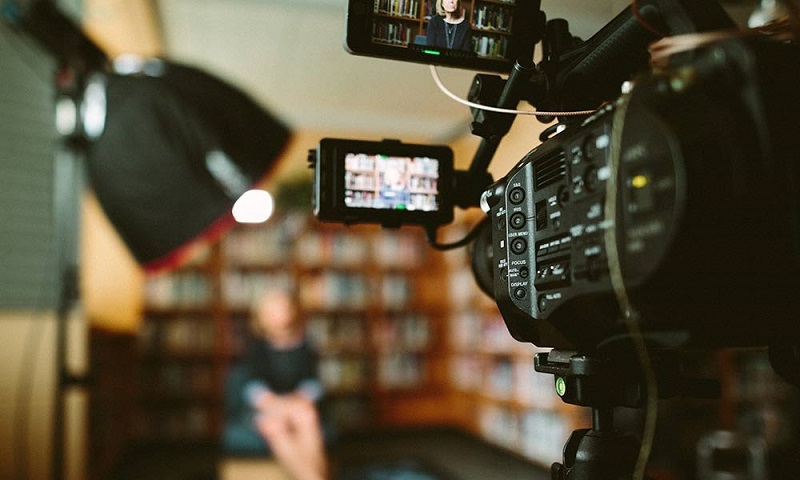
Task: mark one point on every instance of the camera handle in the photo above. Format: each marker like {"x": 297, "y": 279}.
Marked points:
{"x": 602, "y": 383}
{"x": 470, "y": 184}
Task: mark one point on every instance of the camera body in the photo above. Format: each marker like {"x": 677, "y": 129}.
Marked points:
{"x": 388, "y": 182}
{"x": 686, "y": 189}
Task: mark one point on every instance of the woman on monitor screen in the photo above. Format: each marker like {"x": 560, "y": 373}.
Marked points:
{"x": 449, "y": 28}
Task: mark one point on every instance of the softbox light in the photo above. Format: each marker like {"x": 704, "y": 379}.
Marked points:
{"x": 178, "y": 148}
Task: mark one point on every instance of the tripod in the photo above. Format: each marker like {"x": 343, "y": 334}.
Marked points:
{"x": 602, "y": 383}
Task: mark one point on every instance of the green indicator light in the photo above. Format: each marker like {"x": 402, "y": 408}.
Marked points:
{"x": 432, "y": 52}
{"x": 561, "y": 386}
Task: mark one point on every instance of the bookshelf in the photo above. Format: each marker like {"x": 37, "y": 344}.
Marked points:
{"x": 400, "y": 22}
{"x": 377, "y": 333}
{"x": 179, "y": 358}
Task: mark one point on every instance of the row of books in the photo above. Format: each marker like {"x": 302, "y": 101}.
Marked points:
{"x": 178, "y": 379}
{"x": 351, "y": 332}
{"x": 360, "y": 181}
{"x": 372, "y": 199}
{"x": 331, "y": 249}
{"x": 503, "y": 379}
{"x": 369, "y": 181}
{"x": 401, "y": 370}
{"x": 398, "y": 8}
{"x": 346, "y": 332}
{"x": 537, "y": 434}
{"x": 241, "y": 289}
{"x": 489, "y": 46}
{"x": 490, "y": 17}
{"x": 472, "y": 330}
{"x": 348, "y": 373}
{"x": 187, "y": 423}
{"x": 394, "y": 33}
{"x": 190, "y": 289}
{"x": 402, "y": 249}
{"x": 407, "y": 332}
{"x": 257, "y": 246}
{"x": 410, "y": 8}
{"x": 272, "y": 245}
{"x": 344, "y": 372}
{"x": 354, "y": 291}
{"x": 177, "y": 335}
{"x": 335, "y": 291}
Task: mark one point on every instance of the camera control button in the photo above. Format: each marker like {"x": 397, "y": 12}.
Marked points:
{"x": 516, "y": 195}
{"x": 542, "y": 303}
{"x": 520, "y": 293}
{"x": 518, "y": 220}
{"x": 519, "y": 245}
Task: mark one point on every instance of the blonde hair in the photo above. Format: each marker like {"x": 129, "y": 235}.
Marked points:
{"x": 440, "y": 9}
{"x": 270, "y": 293}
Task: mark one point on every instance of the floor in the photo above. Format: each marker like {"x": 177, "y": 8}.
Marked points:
{"x": 426, "y": 454}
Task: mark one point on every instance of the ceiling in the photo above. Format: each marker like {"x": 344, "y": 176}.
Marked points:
{"x": 289, "y": 55}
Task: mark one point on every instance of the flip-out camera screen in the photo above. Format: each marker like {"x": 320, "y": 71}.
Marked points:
{"x": 479, "y": 35}
{"x": 386, "y": 182}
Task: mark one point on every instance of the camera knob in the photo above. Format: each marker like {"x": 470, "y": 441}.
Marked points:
{"x": 492, "y": 197}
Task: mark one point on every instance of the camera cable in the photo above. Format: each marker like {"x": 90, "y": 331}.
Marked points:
{"x": 430, "y": 236}
{"x": 446, "y": 91}
{"x": 629, "y": 313}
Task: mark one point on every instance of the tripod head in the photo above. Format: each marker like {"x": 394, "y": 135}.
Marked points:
{"x": 604, "y": 382}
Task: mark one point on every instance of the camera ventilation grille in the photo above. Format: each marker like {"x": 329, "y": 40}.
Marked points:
{"x": 551, "y": 168}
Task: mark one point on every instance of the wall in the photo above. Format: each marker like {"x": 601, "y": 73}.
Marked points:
{"x": 27, "y": 382}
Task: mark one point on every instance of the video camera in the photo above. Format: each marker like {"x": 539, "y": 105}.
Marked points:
{"x": 665, "y": 217}
{"x": 690, "y": 178}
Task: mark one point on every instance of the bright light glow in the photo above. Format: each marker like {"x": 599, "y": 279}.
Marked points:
{"x": 128, "y": 64}
{"x": 254, "y": 206}
{"x": 66, "y": 116}
{"x": 93, "y": 108}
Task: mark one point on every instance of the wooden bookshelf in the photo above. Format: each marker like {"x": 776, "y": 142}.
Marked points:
{"x": 362, "y": 289}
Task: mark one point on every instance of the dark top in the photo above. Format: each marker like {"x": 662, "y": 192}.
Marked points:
{"x": 456, "y": 36}
{"x": 281, "y": 370}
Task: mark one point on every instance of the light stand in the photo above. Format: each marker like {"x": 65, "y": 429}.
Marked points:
{"x": 69, "y": 183}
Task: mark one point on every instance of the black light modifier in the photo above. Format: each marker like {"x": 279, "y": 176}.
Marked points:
{"x": 179, "y": 147}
